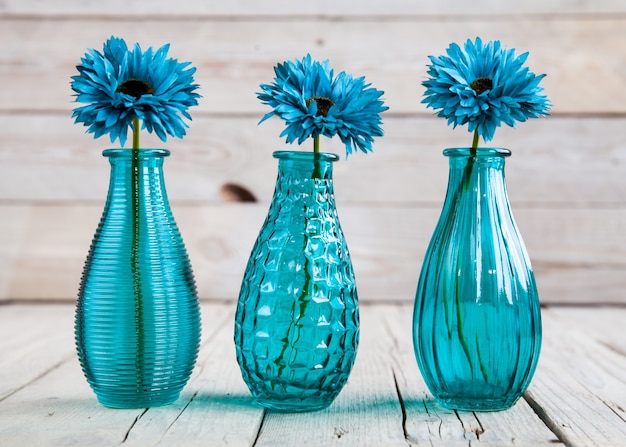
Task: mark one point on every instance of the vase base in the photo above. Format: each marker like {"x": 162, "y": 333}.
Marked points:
{"x": 294, "y": 405}
{"x": 477, "y": 404}
{"x": 135, "y": 402}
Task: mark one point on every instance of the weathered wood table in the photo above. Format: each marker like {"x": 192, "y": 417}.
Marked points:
{"x": 577, "y": 398}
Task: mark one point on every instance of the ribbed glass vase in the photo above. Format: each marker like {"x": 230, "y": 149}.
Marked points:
{"x": 297, "y": 321}
{"x": 477, "y": 324}
{"x": 137, "y": 318}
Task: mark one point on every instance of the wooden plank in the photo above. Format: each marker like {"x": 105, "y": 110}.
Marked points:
{"x": 326, "y": 8}
{"x": 221, "y": 410}
{"x": 578, "y": 391}
{"x": 11, "y": 245}
{"x": 366, "y": 413}
{"x": 33, "y": 340}
{"x": 604, "y": 325}
{"x": 216, "y": 407}
{"x": 573, "y": 162}
{"x": 30, "y": 254}
{"x": 428, "y": 423}
{"x": 59, "y": 408}
{"x": 583, "y": 58}
{"x": 578, "y": 253}
{"x": 604, "y": 371}
{"x": 579, "y": 387}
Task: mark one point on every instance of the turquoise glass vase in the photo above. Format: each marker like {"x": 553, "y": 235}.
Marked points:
{"x": 297, "y": 320}
{"x": 476, "y": 323}
{"x": 137, "y": 317}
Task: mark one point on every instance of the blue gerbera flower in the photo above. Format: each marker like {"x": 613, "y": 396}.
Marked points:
{"x": 313, "y": 102}
{"x": 122, "y": 85}
{"x": 483, "y": 85}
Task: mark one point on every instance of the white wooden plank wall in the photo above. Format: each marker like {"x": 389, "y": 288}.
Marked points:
{"x": 567, "y": 177}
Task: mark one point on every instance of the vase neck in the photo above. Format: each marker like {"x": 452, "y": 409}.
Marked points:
{"x": 305, "y": 165}
{"x": 492, "y": 158}
{"x": 478, "y": 160}
{"x": 305, "y": 177}
{"x": 144, "y": 157}
{"x": 476, "y": 171}
{"x": 136, "y": 173}
{"x": 125, "y": 159}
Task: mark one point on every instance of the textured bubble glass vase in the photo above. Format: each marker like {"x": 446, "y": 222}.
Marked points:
{"x": 297, "y": 321}
{"x": 137, "y": 318}
{"x": 476, "y": 324}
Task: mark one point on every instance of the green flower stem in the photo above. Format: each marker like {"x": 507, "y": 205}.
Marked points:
{"x": 467, "y": 173}
{"x": 475, "y": 141}
{"x": 465, "y": 185}
{"x": 316, "y": 167}
{"x": 136, "y": 133}
{"x": 483, "y": 367}
{"x": 134, "y": 261}
{"x": 293, "y": 332}
{"x": 316, "y": 144}
{"x": 459, "y": 317}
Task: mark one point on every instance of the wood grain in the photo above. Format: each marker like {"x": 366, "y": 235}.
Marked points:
{"x": 584, "y": 59}
{"x": 576, "y": 258}
{"x": 216, "y": 407}
{"x": 325, "y": 8}
{"x": 576, "y": 397}
{"x": 27, "y": 354}
{"x": 367, "y": 412}
{"x": 565, "y": 179}
{"x": 427, "y": 422}
{"x": 566, "y": 182}
{"x": 576, "y": 162}
{"x": 576, "y": 376}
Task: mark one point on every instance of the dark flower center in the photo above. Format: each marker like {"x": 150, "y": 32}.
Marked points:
{"x": 135, "y": 87}
{"x": 482, "y": 84}
{"x": 323, "y": 104}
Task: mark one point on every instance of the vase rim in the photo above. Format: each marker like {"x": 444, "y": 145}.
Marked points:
{"x": 480, "y": 152}
{"x": 306, "y": 156}
{"x": 144, "y": 152}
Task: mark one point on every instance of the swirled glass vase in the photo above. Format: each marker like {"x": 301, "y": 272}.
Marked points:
{"x": 476, "y": 323}
{"x": 137, "y": 317}
{"x": 297, "y": 320}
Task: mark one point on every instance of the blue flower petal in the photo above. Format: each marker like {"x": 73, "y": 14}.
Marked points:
{"x": 515, "y": 94}
{"x": 293, "y": 96}
{"x": 111, "y": 112}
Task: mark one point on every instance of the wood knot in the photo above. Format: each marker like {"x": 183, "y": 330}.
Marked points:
{"x": 232, "y": 192}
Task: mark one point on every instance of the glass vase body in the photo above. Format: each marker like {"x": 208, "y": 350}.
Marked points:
{"x": 297, "y": 320}
{"x": 137, "y": 317}
{"x": 476, "y": 323}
